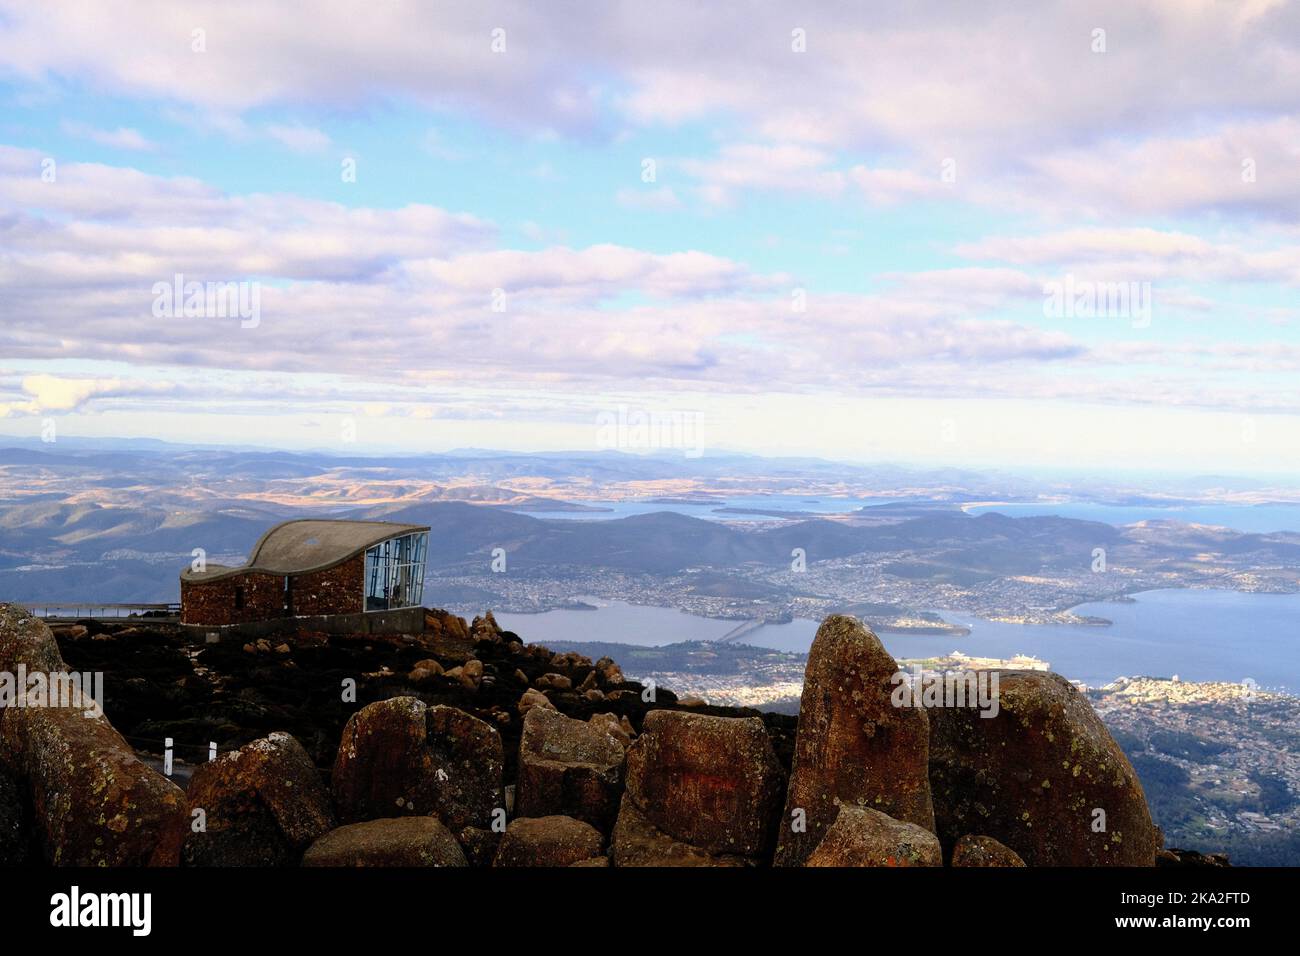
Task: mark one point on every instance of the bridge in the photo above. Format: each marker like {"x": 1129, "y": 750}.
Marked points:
{"x": 66, "y": 612}
{"x": 740, "y": 630}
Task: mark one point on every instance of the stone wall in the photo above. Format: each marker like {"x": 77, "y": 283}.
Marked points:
{"x": 336, "y": 590}
{"x": 213, "y": 602}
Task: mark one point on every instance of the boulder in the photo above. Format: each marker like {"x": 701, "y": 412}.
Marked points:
{"x": 638, "y": 842}
{"x": 610, "y": 674}
{"x": 395, "y": 841}
{"x": 984, "y": 851}
{"x": 424, "y": 671}
{"x": 860, "y": 836}
{"x": 553, "y": 682}
{"x": 853, "y": 746}
{"x": 534, "y": 698}
{"x": 1043, "y": 777}
{"x": 568, "y": 768}
{"x": 399, "y": 757}
{"x": 480, "y": 845}
{"x": 263, "y": 803}
{"x": 712, "y": 782}
{"x": 548, "y": 841}
{"x": 92, "y": 801}
{"x": 26, "y": 640}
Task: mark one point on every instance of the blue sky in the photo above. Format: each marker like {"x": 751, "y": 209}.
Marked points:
{"x": 847, "y": 247}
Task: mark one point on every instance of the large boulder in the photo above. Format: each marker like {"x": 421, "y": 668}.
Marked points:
{"x": 712, "y": 782}
{"x": 568, "y": 768}
{"x": 854, "y": 747}
{"x": 860, "y": 836}
{"x": 638, "y": 842}
{"x": 263, "y": 805}
{"x": 400, "y": 757}
{"x": 26, "y": 641}
{"x": 1043, "y": 777}
{"x": 548, "y": 841}
{"x": 396, "y": 841}
{"x": 93, "y": 801}
{"x": 982, "y": 851}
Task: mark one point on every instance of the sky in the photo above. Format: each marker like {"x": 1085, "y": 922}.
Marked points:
{"x": 1054, "y": 234}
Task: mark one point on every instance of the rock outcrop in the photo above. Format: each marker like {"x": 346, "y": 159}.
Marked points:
{"x": 568, "y": 768}
{"x": 93, "y": 802}
{"x": 711, "y": 782}
{"x": 860, "y": 836}
{"x": 400, "y": 757}
{"x": 262, "y": 805}
{"x": 1043, "y": 776}
{"x": 548, "y": 841}
{"x": 395, "y": 841}
{"x": 854, "y": 747}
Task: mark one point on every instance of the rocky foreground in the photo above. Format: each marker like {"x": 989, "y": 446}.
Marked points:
{"x": 464, "y": 746}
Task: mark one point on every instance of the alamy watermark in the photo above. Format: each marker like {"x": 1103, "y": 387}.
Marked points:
{"x": 638, "y": 429}
{"x": 60, "y": 689}
{"x": 208, "y": 300}
{"x": 1083, "y": 299}
{"x": 954, "y": 688}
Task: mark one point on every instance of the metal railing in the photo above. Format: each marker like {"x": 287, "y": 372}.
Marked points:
{"x": 73, "y": 611}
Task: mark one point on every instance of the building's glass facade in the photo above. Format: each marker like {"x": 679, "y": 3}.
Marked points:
{"x": 395, "y": 572}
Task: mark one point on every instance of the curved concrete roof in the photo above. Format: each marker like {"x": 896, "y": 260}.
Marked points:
{"x": 306, "y": 545}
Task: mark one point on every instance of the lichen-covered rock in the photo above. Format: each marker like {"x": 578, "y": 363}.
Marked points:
{"x": 860, "y": 836}
{"x": 263, "y": 805}
{"x": 638, "y": 842}
{"x": 26, "y": 640}
{"x": 399, "y": 841}
{"x": 1043, "y": 777}
{"x": 984, "y": 851}
{"x": 548, "y": 841}
{"x": 570, "y": 768}
{"x": 853, "y": 746}
{"x": 17, "y": 838}
{"x": 93, "y": 801}
{"x": 712, "y": 782}
{"x": 399, "y": 757}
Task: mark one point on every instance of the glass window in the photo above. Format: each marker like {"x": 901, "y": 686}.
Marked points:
{"x": 394, "y": 575}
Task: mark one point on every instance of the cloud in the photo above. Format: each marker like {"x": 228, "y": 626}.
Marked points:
{"x": 300, "y": 139}
{"x": 120, "y": 138}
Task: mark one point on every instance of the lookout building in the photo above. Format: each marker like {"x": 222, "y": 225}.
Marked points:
{"x": 312, "y": 567}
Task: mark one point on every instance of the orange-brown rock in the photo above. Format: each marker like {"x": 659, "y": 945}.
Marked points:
{"x": 399, "y": 841}
{"x": 548, "y": 841}
{"x": 568, "y": 767}
{"x": 860, "y": 836}
{"x": 262, "y": 805}
{"x": 984, "y": 851}
{"x": 399, "y": 757}
{"x": 93, "y": 802}
{"x": 1043, "y": 777}
{"x": 712, "y": 782}
{"x": 853, "y": 746}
